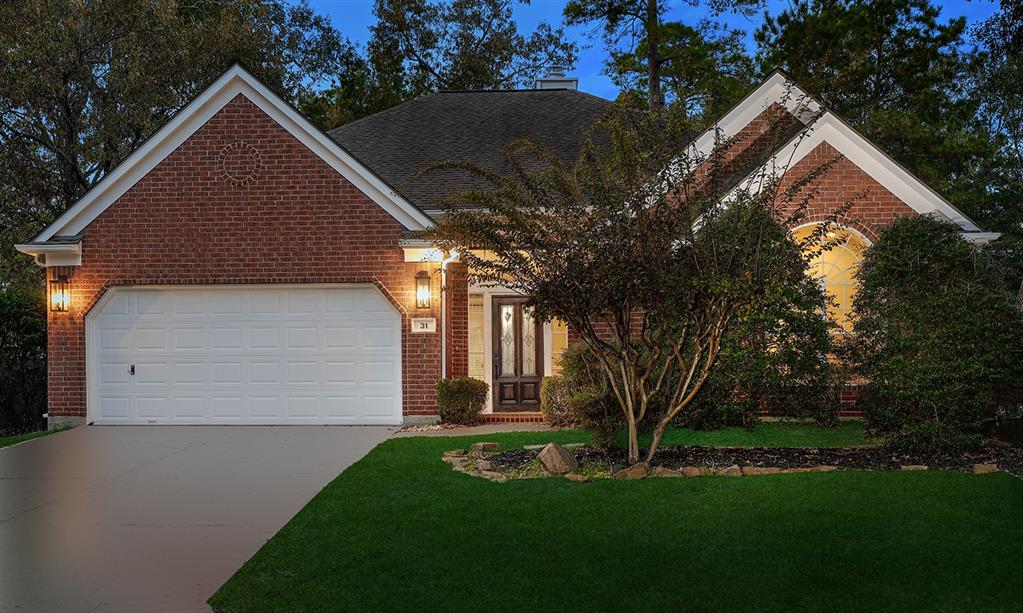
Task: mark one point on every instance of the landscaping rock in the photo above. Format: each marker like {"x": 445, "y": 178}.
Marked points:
{"x": 692, "y": 471}
{"x": 557, "y": 460}
{"x": 662, "y": 472}
{"x": 983, "y": 469}
{"x": 824, "y": 468}
{"x": 485, "y": 447}
{"x": 636, "y": 471}
{"x": 803, "y": 469}
{"x": 534, "y": 447}
{"x": 578, "y": 477}
{"x": 493, "y": 476}
{"x": 484, "y": 465}
{"x": 731, "y": 471}
{"x": 755, "y": 471}
{"x": 913, "y": 467}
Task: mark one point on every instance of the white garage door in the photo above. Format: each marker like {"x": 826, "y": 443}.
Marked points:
{"x": 267, "y": 355}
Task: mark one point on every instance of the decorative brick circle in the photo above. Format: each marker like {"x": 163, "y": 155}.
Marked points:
{"x": 239, "y": 163}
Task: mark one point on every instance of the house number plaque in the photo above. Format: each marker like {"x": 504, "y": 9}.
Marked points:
{"x": 424, "y": 324}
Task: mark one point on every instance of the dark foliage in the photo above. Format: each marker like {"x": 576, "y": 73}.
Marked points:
{"x": 937, "y": 334}
{"x": 777, "y": 357}
{"x": 460, "y": 400}
{"x": 22, "y": 361}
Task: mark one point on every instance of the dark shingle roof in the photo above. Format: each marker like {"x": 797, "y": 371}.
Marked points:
{"x": 465, "y": 126}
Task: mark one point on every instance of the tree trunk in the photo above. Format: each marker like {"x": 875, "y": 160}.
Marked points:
{"x": 633, "y": 442}
{"x": 653, "y": 57}
{"x": 655, "y": 441}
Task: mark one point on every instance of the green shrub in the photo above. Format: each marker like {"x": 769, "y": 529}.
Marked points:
{"x": 22, "y": 360}
{"x": 776, "y": 356}
{"x": 936, "y": 335}
{"x": 555, "y": 392}
{"x": 460, "y": 400}
{"x": 588, "y": 397}
{"x": 931, "y": 437}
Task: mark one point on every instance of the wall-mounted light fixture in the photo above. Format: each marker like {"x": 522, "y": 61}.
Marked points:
{"x": 60, "y": 294}
{"x": 422, "y": 290}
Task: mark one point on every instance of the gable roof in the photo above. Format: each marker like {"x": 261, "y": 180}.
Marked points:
{"x": 822, "y": 125}
{"x": 470, "y": 126}
{"x": 233, "y": 82}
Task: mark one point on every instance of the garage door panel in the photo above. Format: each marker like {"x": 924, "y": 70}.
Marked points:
{"x": 303, "y": 337}
{"x": 255, "y": 355}
{"x": 226, "y": 338}
{"x": 378, "y": 406}
{"x": 263, "y": 338}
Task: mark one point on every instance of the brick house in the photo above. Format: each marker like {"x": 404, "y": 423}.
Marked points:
{"x": 244, "y": 267}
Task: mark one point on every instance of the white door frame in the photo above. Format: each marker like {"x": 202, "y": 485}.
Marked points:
{"x": 91, "y": 394}
{"x": 489, "y": 293}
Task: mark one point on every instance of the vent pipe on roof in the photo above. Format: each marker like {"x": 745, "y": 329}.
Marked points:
{"x": 556, "y": 79}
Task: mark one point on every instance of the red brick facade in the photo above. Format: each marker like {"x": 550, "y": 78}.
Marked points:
{"x": 243, "y": 202}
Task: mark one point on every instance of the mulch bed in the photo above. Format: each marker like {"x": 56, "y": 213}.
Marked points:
{"x": 843, "y": 458}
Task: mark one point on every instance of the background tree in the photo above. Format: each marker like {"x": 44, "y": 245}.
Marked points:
{"x": 84, "y": 83}
{"x": 22, "y": 360}
{"x": 997, "y": 83}
{"x": 639, "y": 27}
{"x": 421, "y": 46}
{"x": 938, "y": 338}
{"x": 901, "y": 76}
{"x": 706, "y": 68}
{"x": 631, "y": 246}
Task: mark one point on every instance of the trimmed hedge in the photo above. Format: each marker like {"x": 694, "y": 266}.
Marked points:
{"x": 460, "y": 400}
{"x": 555, "y": 393}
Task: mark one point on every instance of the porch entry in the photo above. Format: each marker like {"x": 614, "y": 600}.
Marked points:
{"x": 518, "y": 355}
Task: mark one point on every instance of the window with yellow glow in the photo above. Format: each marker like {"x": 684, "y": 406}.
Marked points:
{"x": 476, "y": 336}
{"x": 559, "y": 341}
{"x": 836, "y": 270}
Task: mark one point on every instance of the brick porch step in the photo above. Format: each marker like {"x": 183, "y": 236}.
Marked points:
{"x": 517, "y": 417}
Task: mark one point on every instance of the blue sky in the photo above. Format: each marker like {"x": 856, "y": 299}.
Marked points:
{"x": 353, "y": 18}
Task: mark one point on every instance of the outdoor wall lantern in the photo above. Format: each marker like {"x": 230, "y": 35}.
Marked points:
{"x": 422, "y": 290}
{"x": 60, "y": 294}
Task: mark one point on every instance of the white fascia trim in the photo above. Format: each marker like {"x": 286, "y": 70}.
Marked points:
{"x": 64, "y": 254}
{"x": 980, "y": 238}
{"x": 871, "y": 160}
{"x": 775, "y": 89}
{"x": 193, "y": 116}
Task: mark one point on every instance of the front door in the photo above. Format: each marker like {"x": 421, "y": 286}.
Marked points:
{"x": 518, "y": 356}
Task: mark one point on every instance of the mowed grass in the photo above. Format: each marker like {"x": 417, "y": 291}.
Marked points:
{"x": 400, "y": 530}
{"x": 6, "y": 441}
{"x": 772, "y": 434}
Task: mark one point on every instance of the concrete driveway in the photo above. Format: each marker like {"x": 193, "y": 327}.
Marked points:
{"x": 154, "y": 518}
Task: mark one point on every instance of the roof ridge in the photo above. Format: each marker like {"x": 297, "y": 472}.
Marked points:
{"x": 379, "y": 113}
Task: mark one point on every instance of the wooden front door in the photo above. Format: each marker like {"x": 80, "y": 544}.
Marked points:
{"x": 518, "y": 356}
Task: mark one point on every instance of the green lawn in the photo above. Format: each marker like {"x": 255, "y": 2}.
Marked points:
{"x": 400, "y": 530}
{"x": 11, "y": 440}
{"x": 772, "y": 434}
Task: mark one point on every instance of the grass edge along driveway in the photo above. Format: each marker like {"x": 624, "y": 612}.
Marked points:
{"x": 400, "y": 530}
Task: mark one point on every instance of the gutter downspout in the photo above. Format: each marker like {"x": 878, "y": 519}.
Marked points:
{"x": 451, "y": 257}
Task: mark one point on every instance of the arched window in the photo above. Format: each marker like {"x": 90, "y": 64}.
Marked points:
{"x": 836, "y": 269}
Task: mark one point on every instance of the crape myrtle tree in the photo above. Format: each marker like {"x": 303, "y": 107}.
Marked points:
{"x": 646, "y": 247}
